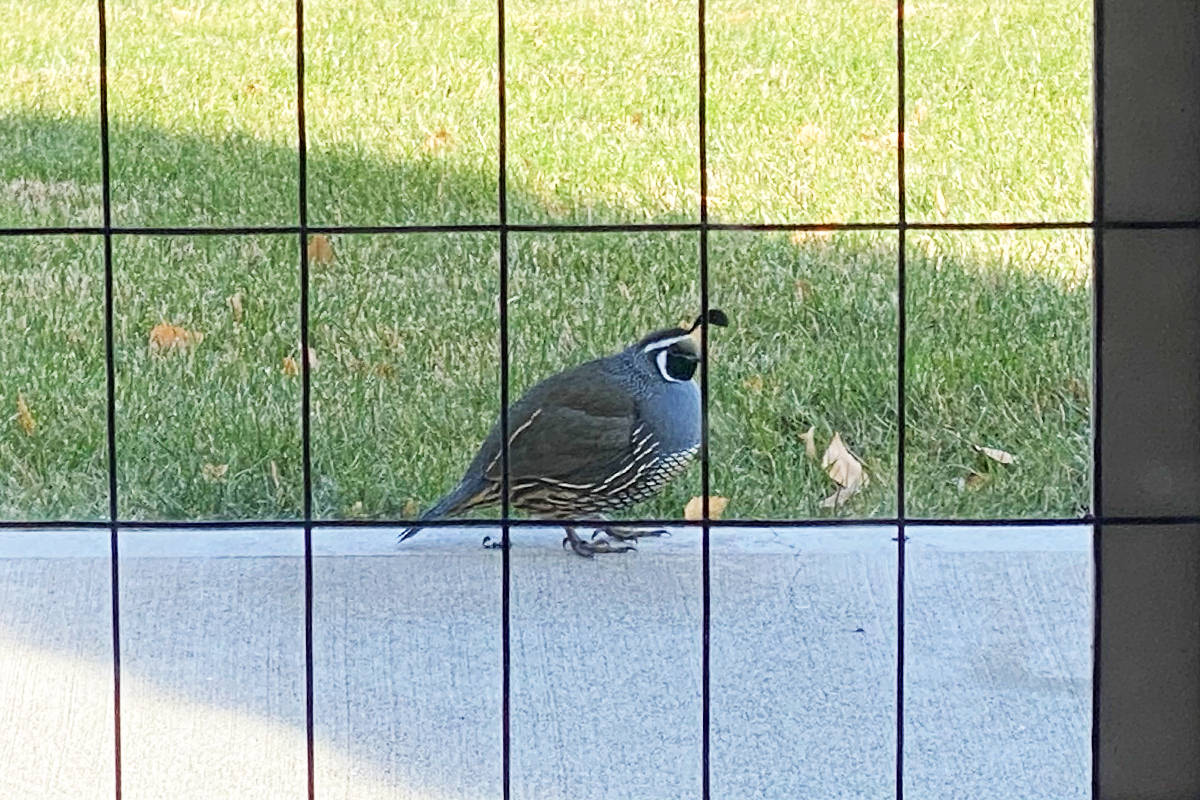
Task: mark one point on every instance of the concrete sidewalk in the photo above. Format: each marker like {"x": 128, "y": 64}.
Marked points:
{"x": 606, "y": 665}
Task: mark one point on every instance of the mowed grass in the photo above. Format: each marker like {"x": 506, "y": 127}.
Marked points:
{"x": 402, "y": 128}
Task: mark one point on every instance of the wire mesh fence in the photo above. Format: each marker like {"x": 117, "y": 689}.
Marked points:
{"x": 501, "y": 228}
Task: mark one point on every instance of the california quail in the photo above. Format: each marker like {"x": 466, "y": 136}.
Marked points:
{"x": 594, "y": 439}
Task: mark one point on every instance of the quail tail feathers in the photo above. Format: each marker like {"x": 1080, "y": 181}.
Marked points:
{"x": 466, "y": 495}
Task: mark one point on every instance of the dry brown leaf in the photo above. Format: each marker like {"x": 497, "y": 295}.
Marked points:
{"x": 1079, "y": 390}
{"x": 25, "y": 416}
{"x": 234, "y": 301}
{"x": 320, "y": 250}
{"x": 167, "y": 338}
{"x": 214, "y": 472}
{"x": 290, "y": 367}
{"x": 927, "y": 244}
{"x": 939, "y": 202}
{"x": 920, "y": 112}
{"x": 411, "y": 509}
{"x": 635, "y": 118}
{"x": 844, "y": 469}
{"x": 878, "y": 144}
{"x": 438, "y": 140}
{"x": 837, "y": 499}
{"x": 810, "y": 133}
{"x": 251, "y": 88}
{"x": 809, "y": 437}
{"x": 999, "y": 456}
{"x": 694, "y": 510}
{"x": 754, "y": 383}
{"x": 801, "y": 237}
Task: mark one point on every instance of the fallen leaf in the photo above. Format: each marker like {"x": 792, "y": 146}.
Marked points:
{"x": 438, "y": 140}
{"x": 837, "y": 499}
{"x": 805, "y": 236}
{"x": 234, "y": 301}
{"x": 411, "y": 509}
{"x": 251, "y": 88}
{"x": 694, "y": 510}
{"x": 810, "y": 133}
{"x": 25, "y": 416}
{"x": 167, "y": 338}
{"x": 1079, "y": 390}
{"x": 214, "y": 472}
{"x": 920, "y": 112}
{"x": 274, "y": 470}
{"x": 290, "y": 367}
{"x": 635, "y": 118}
{"x": 878, "y": 144}
{"x": 999, "y": 456}
{"x": 975, "y": 480}
{"x": 320, "y": 251}
{"x": 939, "y": 202}
{"x": 844, "y": 469}
{"x": 927, "y": 244}
{"x": 810, "y": 443}
{"x": 754, "y": 383}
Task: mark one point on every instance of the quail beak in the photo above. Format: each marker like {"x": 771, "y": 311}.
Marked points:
{"x": 692, "y": 343}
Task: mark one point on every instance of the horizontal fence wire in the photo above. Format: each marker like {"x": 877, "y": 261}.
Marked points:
{"x": 630, "y": 227}
{"x": 133, "y": 525}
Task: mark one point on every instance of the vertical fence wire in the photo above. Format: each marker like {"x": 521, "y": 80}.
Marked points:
{"x": 505, "y": 530}
{"x": 110, "y": 377}
{"x": 901, "y": 364}
{"x": 705, "y": 475}
{"x": 1097, "y": 370}
{"x": 305, "y": 400}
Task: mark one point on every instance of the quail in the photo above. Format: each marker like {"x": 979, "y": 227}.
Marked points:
{"x": 594, "y": 439}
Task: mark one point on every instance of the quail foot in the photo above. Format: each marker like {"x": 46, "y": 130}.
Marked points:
{"x": 594, "y": 439}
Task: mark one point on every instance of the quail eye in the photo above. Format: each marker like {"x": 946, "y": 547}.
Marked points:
{"x": 681, "y": 365}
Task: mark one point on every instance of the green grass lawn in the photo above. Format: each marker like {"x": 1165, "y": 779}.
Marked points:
{"x": 402, "y": 128}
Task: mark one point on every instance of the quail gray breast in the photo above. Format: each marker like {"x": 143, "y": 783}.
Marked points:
{"x": 594, "y": 439}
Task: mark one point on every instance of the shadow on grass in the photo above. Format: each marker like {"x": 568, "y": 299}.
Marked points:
{"x": 404, "y": 332}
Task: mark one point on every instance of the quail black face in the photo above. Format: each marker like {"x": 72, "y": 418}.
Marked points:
{"x": 674, "y": 354}
{"x": 675, "y": 351}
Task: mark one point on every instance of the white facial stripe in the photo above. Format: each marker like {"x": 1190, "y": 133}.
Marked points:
{"x": 661, "y": 360}
{"x": 661, "y": 343}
